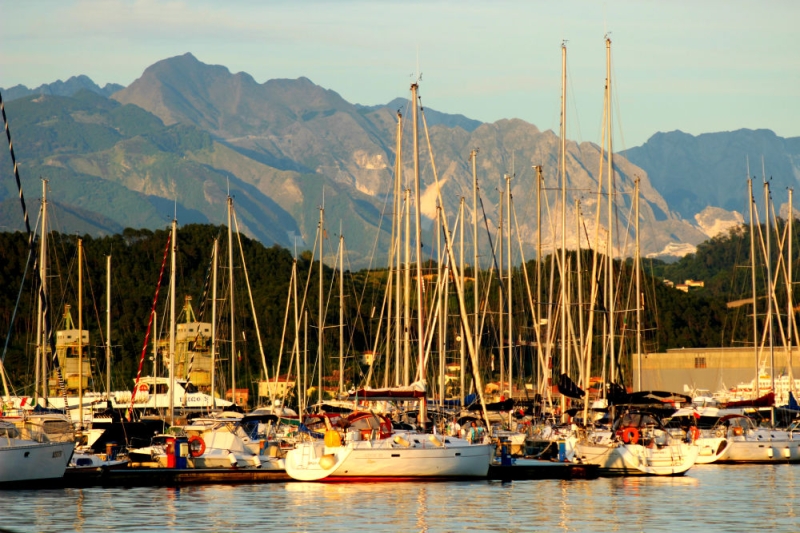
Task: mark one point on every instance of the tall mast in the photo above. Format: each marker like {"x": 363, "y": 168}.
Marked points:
{"x": 610, "y": 243}
{"x": 80, "y": 333}
{"x": 579, "y": 271}
{"x": 301, "y": 394}
{"x": 341, "y": 309}
{"x": 155, "y": 349}
{"x": 305, "y": 354}
{"x": 538, "y": 318}
{"x": 407, "y": 295}
{"x": 508, "y": 298}
{"x": 395, "y": 246}
{"x": 214, "y": 324}
{"x": 563, "y": 220}
{"x": 320, "y": 317}
{"x": 789, "y": 303}
{"x": 231, "y": 297}
{"x": 462, "y": 353}
{"x": 41, "y": 342}
{"x": 440, "y": 300}
{"x": 500, "y": 299}
{"x": 768, "y": 261}
{"x": 751, "y": 201}
{"x": 638, "y": 266}
{"x": 418, "y": 240}
{"x": 475, "y": 266}
{"x": 108, "y": 326}
{"x": 173, "y": 249}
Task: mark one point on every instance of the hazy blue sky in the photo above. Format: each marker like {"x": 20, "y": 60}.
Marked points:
{"x": 697, "y": 66}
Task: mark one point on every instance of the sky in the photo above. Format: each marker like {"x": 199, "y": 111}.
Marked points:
{"x": 695, "y": 66}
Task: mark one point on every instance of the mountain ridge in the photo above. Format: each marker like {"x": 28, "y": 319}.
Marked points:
{"x": 281, "y": 142}
{"x": 61, "y": 88}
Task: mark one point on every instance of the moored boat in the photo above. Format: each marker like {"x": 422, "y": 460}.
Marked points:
{"x": 34, "y": 457}
{"x": 370, "y": 449}
{"x": 638, "y": 445}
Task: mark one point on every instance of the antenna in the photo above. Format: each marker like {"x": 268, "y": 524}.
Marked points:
{"x": 513, "y": 163}
{"x": 747, "y": 162}
{"x": 418, "y": 75}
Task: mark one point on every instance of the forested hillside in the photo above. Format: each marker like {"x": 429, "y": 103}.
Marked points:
{"x": 671, "y": 318}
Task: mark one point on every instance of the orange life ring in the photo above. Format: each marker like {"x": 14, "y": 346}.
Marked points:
{"x": 142, "y": 388}
{"x": 197, "y": 446}
{"x": 695, "y": 432}
{"x": 630, "y": 435}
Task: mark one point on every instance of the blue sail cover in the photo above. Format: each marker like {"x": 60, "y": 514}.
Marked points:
{"x": 569, "y": 388}
{"x": 468, "y": 400}
{"x": 793, "y": 405}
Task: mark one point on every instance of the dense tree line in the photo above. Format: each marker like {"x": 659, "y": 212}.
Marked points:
{"x": 672, "y": 318}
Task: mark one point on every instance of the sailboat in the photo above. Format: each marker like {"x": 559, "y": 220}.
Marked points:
{"x": 367, "y": 446}
{"x": 225, "y": 439}
{"x": 740, "y": 439}
{"x": 637, "y": 443}
{"x": 28, "y": 456}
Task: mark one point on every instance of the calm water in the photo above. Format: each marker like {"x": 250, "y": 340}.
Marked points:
{"x": 708, "y": 498}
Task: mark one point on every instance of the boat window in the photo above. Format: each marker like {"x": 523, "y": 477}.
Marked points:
{"x": 9, "y": 432}
{"x": 631, "y": 419}
{"x": 648, "y": 420}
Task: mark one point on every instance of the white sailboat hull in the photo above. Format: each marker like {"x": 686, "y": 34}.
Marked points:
{"x": 712, "y": 449}
{"x": 384, "y": 459}
{"x": 763, "y": 450}
{"x": 635, "y": 459}
{"x": 26, "y": 460}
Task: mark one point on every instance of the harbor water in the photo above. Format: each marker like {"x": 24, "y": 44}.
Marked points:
{"x": 708, "y": 498}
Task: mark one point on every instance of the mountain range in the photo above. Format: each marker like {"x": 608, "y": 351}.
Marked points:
{"x": 185, "y": 135}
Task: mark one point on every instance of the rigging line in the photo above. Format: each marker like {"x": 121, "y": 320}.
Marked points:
{"x": 201, "y": 314}
{"x": 438, "y": 310}
{"x": 359, "y": 319}
{"x": 88, "y": 279}
{"x": 780, "y": 269}
{"x": 252, "y": 303}
{"x": 393, "y": 248}
{"x": 16, "y": 307}
{"x": 473, "y": 350}
{"x": 491, "y": 246}
{"x": 149, "y": 326}
{"x": 277, "y": 369}
{"x": 360, "y": 298}
{"x": 617, "y": 297}
{"x": 42, "y": 290}
{"x": 31, "y": 259}
{"x": 536, "y": 318}
{"x": 485, "y": 302}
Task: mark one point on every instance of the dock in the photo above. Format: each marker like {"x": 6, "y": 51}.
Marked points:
{"x": 524, "y": 469}
{"x": 168, "y": 477}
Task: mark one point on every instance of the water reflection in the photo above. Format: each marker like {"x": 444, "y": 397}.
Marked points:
{"x": 715, "y": 498}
